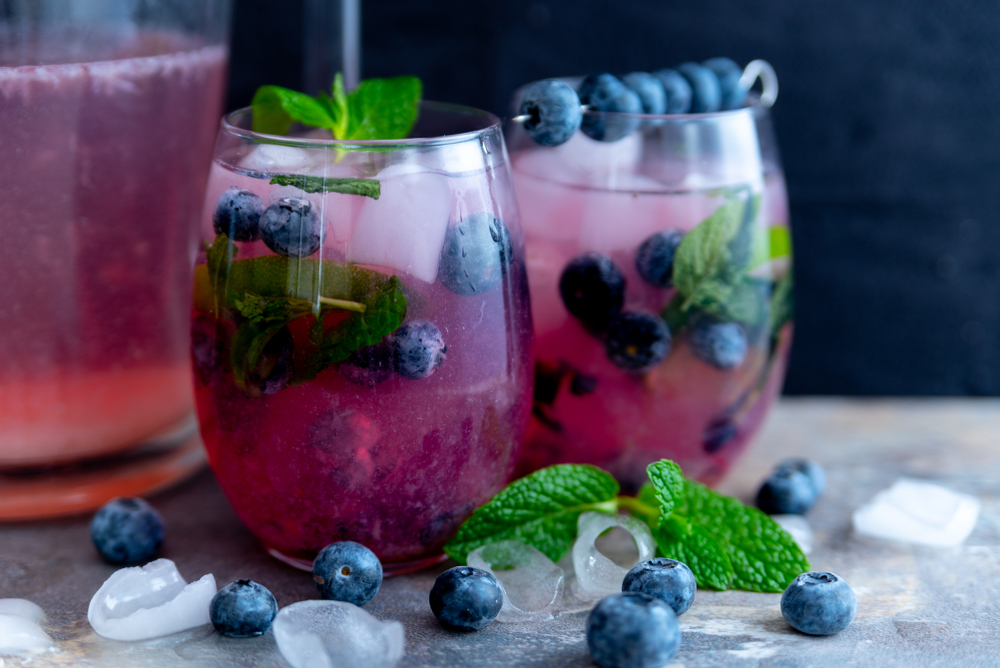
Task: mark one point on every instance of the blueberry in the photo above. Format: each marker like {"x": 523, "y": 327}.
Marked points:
{"x": 705, "y": 93}
{"x": 811, "y": 469}
{"x": 466, "y": 599}
{"x": 677, "y": 89}
{"x": 786, "y": 492}
{"x": 292, "y": 227}
{"x": 637, "y": 342}
{"x": 655, "y": 258}
{"x": 605, "y": 93}
{"x": 237, "y": 215}
{"x": 650, "y": 91}
{"x": 126, "y": 530}
{"x": 347, "y": 571}
{"x": 721, "y": 344}
{"x": 368, "y": 366}
{"x": 243, "y": 609}
{"x": 669, "y": 580}
{"x": 819, "y": 603}
{"x": 418, "y": 349}
{"x": 554, "y": 112}
{"x": 593, "y": 289}
{"x": 728, "y": 73}
{"x": 718, "y": 432}
{"x": 274, "y": 366}
{"x": 475, "y": 254}
{"x": 632, "y": 630}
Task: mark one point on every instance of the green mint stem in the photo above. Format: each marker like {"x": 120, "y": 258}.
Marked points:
{"x": 636, "y": 506}
{"x": 328, "y": 184}
{"x": 343, "y": 304}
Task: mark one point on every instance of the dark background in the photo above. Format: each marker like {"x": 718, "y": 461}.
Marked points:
{"x": 888, "y": 120}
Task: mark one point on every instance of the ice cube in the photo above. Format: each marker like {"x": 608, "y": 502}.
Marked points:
{"x": 276, "y": 159}
{"x": 798, "y": 528}
{"x": 532, "y": 583}
{"x": 623, "y": 215}
{"x": 404, "y": 228}
{"x": 20, "y": 607}
{"x": 150, "y": 601}
{"x": 334, "y": 634}
{"x": 596, "y": 575}
{"x": 915, "y": 511}
{"x": 21, "y": 635}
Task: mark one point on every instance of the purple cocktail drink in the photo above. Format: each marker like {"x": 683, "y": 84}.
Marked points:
{"x": 387, "y": 400}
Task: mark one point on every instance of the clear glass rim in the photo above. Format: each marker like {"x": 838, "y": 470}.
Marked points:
{"x": 492, "y": 123}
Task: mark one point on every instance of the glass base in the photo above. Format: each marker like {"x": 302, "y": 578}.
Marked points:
{"x": 388, "y": 570}
{"x": 29, "y": 494}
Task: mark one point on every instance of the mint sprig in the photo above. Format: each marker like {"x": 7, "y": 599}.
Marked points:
{"x": 726, "y": 544}
{"x": 376, "y": 109}
{"x": 328, "y": 184}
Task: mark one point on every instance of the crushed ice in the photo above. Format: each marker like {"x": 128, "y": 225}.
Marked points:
{"x": 916, "y": 511}
{"x": 333, "y": 634}
{"x": 532, "y": 583}
{"x": 150, "y": 601}
{"x": 20, "y": 630}
{"x": 798, "y": 528}
{"x": 596, "y": 574}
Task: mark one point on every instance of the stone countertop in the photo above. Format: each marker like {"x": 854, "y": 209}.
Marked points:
{"x": 916, "y": 606}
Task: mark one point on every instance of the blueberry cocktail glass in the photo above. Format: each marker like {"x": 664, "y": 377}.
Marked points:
{"x": 108, "y": 115}
{"x": 361, "y": 333}
{"x": 659, "y": 263}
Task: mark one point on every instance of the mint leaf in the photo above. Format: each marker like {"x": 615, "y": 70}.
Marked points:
{"x": 384, "y": 313}
{"x": 668, "y": 484}
{"x": 747, "y": 302}
{"x": 705, "y": 555}
{"x": 276, "y": 108}
{"x": 763, "y": 556}
{"x": 328, "y": 184}
{"x": 382, "y": 108}
{"x": 540, "y": 510}
{"x": 704, "y": 252}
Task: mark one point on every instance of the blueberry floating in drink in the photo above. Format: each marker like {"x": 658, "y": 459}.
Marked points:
{"x": 292, "y": 227}
{"x": 243, "y": 609}
{"x": 655, "y": 258}
{"x": 637, "y": 342}
{"x": 593, "y": 289}
{"x": 466, "y": 599}
{"x": 418, "y": 349}
{"x": 475, "y": 255}
{"x": 553, "y": 112}
{"x": 606, "y": 93}
{"x": 721, "y": 344}
{"x": 237, "y": 214}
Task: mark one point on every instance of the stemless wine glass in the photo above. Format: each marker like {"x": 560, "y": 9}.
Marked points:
{"x": 108, "y": 112}
{"x": 361, "y": 333}
{"x": 659, "y": 268}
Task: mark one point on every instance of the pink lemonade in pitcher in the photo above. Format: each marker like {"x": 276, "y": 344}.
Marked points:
{"x": 362, "y": 364}
{"x": 104, "y": 158}
{"x": 659, "y": 267}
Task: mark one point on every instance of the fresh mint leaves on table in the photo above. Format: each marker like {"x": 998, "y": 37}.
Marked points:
{"x": 726, "y": 544}
{"x": 376, "y": 109}
{"x": 264, "y": 294}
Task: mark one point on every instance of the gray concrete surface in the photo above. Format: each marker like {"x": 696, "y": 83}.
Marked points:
{"x": 916, "y": 606}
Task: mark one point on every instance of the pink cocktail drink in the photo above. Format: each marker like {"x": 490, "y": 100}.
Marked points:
{"x": 701, "y": 394}
{"x": 394, "y": 440}
{"x": 104, "y": 159}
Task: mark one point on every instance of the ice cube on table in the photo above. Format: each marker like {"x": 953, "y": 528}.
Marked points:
{"x": 150, "y": 601}
{"x": 404, "y": 228}
{"x": 597, "y": 575}
{"x": 334, "y": 634}
{"x": 20, "y": 607}
{"x": 916, "y": 511}
{"x": 798, "y": 528}
{"x": 22, "y": 635}
{"x": 532, "y": 583}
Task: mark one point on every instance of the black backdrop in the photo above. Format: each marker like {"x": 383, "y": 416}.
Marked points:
{"x": 888, "y": 119}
